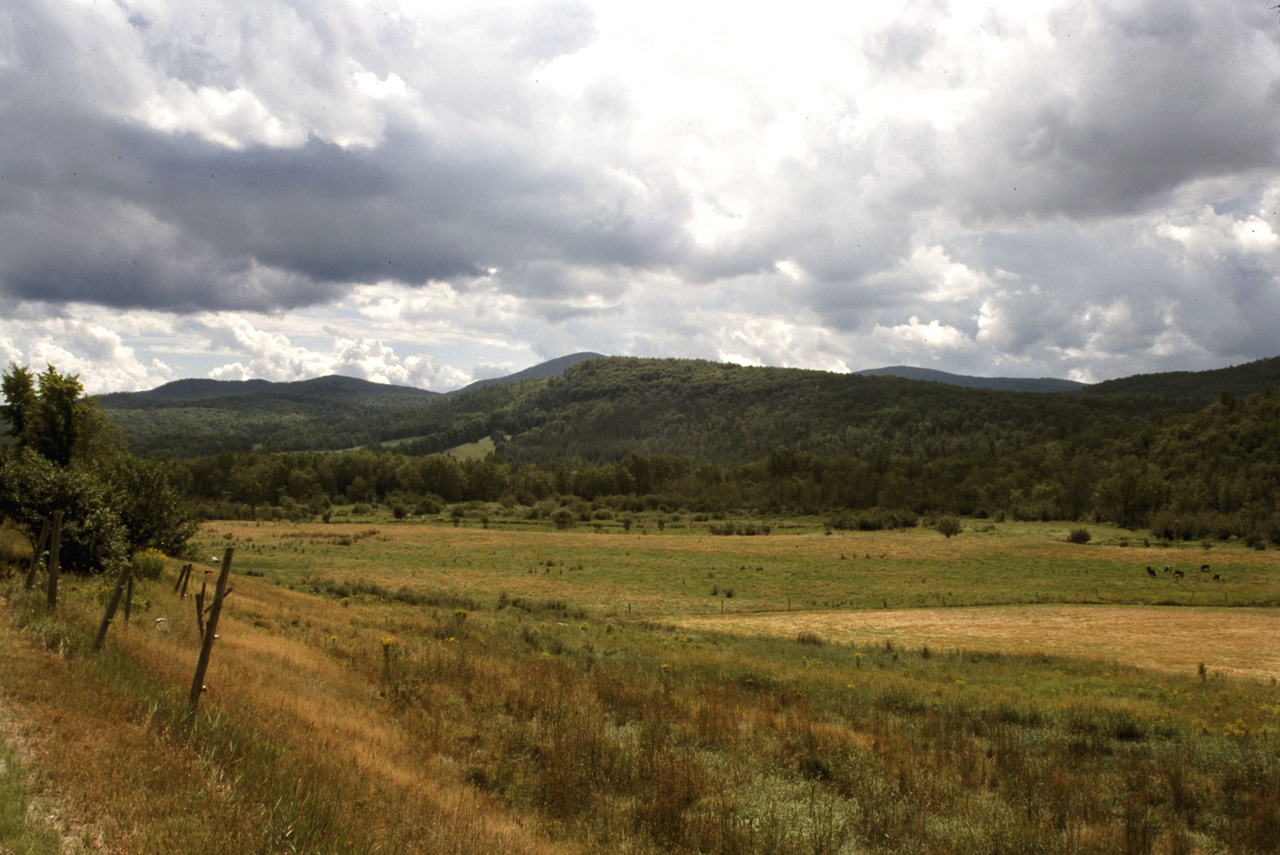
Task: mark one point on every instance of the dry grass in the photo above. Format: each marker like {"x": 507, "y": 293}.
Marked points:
{"x": 1174, "y": 640}
{"x": 285, "y": 661}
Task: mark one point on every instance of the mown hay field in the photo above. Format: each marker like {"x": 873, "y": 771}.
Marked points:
{"x": 1225, "y": 641}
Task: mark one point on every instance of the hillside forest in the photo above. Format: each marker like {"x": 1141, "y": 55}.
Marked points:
{"x": 1186, "y": 456}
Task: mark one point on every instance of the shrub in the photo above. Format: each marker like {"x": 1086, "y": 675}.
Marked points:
{"x": 148, "y": 564}
{"x": 949, "y": 527}
{"x": 1079, "y": 535}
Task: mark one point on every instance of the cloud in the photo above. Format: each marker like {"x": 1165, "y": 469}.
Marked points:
{"x": 97, "y": 353}
{"x": 274, "y": 356}
{"x": 915, "y": 338}
{"x": 408, "y": 192}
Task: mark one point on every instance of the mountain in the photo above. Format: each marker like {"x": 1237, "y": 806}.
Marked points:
{"x": 329, "y": 388}
{"x": 550, "y": 368}
{"x": 200, "y": 416}
{"x": 1000, "y": 384}
{"x": 601, "y": 409}
{"x": 1204, "y": 386}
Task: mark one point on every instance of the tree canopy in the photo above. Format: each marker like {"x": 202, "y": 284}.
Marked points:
{"x": 65, "y": 455}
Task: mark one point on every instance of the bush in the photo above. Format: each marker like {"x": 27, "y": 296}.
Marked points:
{"x": 32, "y": 488}
{"x": 148, "y": 564}
{"x": 949, "y": 527}
{"x": 1079, "y": 535}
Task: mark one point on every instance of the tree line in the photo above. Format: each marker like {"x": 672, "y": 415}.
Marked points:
{"x": 859, "y": 454}
{"x": 1211, "y": 474}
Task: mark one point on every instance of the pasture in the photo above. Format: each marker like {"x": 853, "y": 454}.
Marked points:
{"x": 420, "y": 687}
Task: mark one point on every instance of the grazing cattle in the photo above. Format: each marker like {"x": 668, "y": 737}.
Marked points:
{"x": 1168, "y": 568}
{"x": 1204, "y": 568}
{"x": 1217, "y": 577}
{"x": 1177, "y": 575}
{"x": 1151, "y": 572}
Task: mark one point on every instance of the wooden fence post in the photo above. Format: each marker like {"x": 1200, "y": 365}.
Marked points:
{"x": 125, "y": 577}
{"x": 186, "y": 577}
{"x": 128, "y": 599}
{"x": 55, "y": 543}
{"x": 200, "y": 609}
{"x": 35, "y": 556}
{"x": 211, "y": 629}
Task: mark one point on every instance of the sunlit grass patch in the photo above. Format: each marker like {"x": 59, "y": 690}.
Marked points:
{"x": 19, "y": 832}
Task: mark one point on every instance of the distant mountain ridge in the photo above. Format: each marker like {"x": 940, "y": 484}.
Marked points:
{"x": 1245, "y": 378}
{"x": 550, "y": 368}
{"x": 601, "y": 408}
{"x": 998, "y": 384}
{"x": 332, "y": 386}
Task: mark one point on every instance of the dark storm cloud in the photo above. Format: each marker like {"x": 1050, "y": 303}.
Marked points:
{"x": 104, "y": 210}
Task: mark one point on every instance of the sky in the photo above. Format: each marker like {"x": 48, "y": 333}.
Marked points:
{"x": 433, "y": 193}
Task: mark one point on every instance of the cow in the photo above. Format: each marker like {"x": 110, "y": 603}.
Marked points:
{"x": 1151, "y": 572}
{"x": 1168, "y": 568}
{"x": 1177, "y": 575}
{"x": 1204, "y": 568}
{"x": 1217, "y": 577}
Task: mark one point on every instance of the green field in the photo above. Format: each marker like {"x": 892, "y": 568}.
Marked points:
{"x": 684, "y": 570}
{"x": 504, "y": 685}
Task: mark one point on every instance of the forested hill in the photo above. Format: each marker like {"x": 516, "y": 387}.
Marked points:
{"x": 999, "y": 384}
{"x": 1200, "y": 386}
{"x": 317, "y": 391}
{"x": 603, "y": 409}
{"x": 204, "y": 416}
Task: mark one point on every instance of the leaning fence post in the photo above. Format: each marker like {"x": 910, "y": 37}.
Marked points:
{"x": 210, "y": 630}
{"x": 112, "y": 604}
{"x": 55, "y": 542}
{"x": 200, "y": 609}
{"x": 186, "y": 577}
{"x": 35, "y": 556}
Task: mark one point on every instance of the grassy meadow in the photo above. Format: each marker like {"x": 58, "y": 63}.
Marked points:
{"x": 500, "y": 685}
